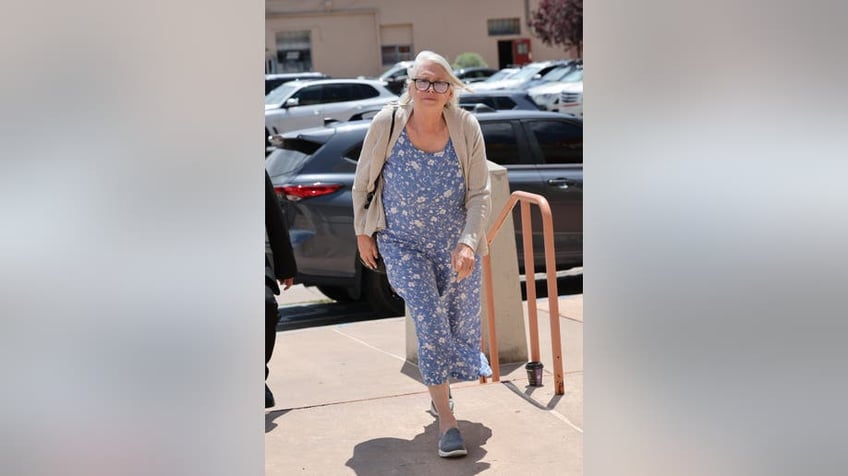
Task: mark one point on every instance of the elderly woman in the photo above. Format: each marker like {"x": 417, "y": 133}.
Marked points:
{"x": 421, "y": 200}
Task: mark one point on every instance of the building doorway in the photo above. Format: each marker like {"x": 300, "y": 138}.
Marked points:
{"x": 513, "y": 52}
{"x": 504, "y": 54}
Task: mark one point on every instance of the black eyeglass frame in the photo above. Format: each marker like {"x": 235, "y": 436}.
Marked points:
{"x": 432, "y": 84}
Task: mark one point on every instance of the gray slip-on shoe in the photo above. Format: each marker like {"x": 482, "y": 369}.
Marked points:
{"x": 451, "y": 445}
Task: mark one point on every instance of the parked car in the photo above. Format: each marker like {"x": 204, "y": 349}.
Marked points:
{"x": 498, "y": 99}
{"x": 557, "y": 74}
{"x": 523, "y": 77}
{"x": 501, "y": 74}
{"x": 571, "y": 99}
{"x": 312, "y": 172}
{"x": 547, "y": 95}
{"x": 274, "y": 80}
{"x": 395, "y": 76}
{"x": 303, "y": 104}
{"x": 474, "y": 75}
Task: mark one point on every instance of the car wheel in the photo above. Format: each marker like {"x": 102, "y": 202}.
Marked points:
{"x": 336, "y": 293}
{"x": 380, "y": 295}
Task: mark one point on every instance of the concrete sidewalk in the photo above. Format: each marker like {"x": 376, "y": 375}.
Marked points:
{"x": 349, "y": 403}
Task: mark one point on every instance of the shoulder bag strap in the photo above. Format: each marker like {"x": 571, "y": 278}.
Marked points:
{"x": 370, "y": 195}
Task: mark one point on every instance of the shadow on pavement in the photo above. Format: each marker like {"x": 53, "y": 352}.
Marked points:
{"x": 419, "y": 456}
{"x": 566, "y": 286}
{"x": 527, "y": 394}
{"x": 411, "y": 370}
{"x": 299, "y": 316}
{"x": 270, "y": 424}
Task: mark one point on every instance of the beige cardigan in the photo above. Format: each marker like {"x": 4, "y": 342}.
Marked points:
{"x": 467, "y": 140}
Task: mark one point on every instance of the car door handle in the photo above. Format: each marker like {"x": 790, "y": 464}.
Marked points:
{"x": 564, "y": 183}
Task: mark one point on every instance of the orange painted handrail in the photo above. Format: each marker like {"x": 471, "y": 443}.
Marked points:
{"x": 529, "y": 271}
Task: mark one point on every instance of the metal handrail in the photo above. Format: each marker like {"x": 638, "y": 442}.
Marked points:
{"x": 529, "y": 270}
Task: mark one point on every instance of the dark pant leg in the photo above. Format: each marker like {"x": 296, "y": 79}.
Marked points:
{"x": 272, "y": 315}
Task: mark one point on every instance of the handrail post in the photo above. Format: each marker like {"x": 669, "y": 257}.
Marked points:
{"x": 494, "y": 361}
{"x": 530, "y": 282}
{"x": 494, "y": 357}
{"x": 530, "y": 279}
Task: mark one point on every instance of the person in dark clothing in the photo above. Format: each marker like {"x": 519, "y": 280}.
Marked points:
{"x": 279, "y": 266}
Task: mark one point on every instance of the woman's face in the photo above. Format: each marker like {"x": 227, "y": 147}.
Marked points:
{"x": 432, "y": 78}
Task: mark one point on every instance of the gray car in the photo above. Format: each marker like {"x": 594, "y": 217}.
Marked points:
{"x": 312, "y": 172}
{"x": 498, "y": 99}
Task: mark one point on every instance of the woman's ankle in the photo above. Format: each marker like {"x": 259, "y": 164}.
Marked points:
{"x": 447, "y": 424}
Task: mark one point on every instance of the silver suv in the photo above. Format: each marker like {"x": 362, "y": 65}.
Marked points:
{"x": 303, "y": 104}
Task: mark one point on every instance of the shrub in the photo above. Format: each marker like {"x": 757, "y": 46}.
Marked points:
{"x": 469, "y": 60}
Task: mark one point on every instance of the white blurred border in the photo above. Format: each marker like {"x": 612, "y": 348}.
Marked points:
{"x": 715, "y": 237}
{"x": 131, "y": 197}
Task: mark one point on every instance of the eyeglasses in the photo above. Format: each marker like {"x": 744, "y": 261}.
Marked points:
{"x": 440, "y": 87}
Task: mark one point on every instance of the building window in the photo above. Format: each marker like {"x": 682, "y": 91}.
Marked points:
{"x": 504, "y": 26}
{"x": 394, "y": 53}
{"x": 294, "y": 51}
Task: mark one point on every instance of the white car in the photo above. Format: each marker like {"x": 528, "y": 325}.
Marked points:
{"x": 571, "y": 99}
{"x": 501, "y": 74}
{"x": 547, "y": 95}
{"x": 302, "y": 104}
{"x": 520, "y": 78}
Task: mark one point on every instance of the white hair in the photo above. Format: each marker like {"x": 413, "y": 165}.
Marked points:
{"x": 427, "y": 56}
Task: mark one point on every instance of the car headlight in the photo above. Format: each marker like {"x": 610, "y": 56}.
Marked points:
{"x": 544, "y": 97}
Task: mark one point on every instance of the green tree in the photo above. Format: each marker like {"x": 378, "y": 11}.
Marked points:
{"x": 559, "y": 22}
{"x": 469, "y": 60}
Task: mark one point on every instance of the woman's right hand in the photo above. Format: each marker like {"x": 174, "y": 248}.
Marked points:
{"x": 367, "y": 246}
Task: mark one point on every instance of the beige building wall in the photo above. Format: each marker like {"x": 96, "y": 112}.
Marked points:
{"x": 335, "y": 51}
{"x": 347, "y": 35}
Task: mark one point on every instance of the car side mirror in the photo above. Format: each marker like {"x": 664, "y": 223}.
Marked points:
{"x": 291, "y": 102}
{"x": 537, "y": 76}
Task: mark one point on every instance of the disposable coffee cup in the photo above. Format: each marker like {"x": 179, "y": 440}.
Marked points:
{"x": 534, "y": 373}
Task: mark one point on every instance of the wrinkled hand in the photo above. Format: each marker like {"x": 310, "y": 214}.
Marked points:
{"x": 286, "y": 283}
{"x": 462, "y": 260}
{"x": 367, "y": 246}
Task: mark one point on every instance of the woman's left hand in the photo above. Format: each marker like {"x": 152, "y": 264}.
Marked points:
{"x": 286, "y": 283}
{"x": 462, "y": 260}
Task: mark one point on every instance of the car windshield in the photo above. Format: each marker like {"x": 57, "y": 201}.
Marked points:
{"x": 576, "y": 75}
{"x": 557, "y": 73}
{"x": 502, "y": 74}
{"x": 279, "y": 94}
{"x": 526, "y": 72}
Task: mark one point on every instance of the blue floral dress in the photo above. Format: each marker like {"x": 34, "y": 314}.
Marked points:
{"x": 424, "y": 201}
